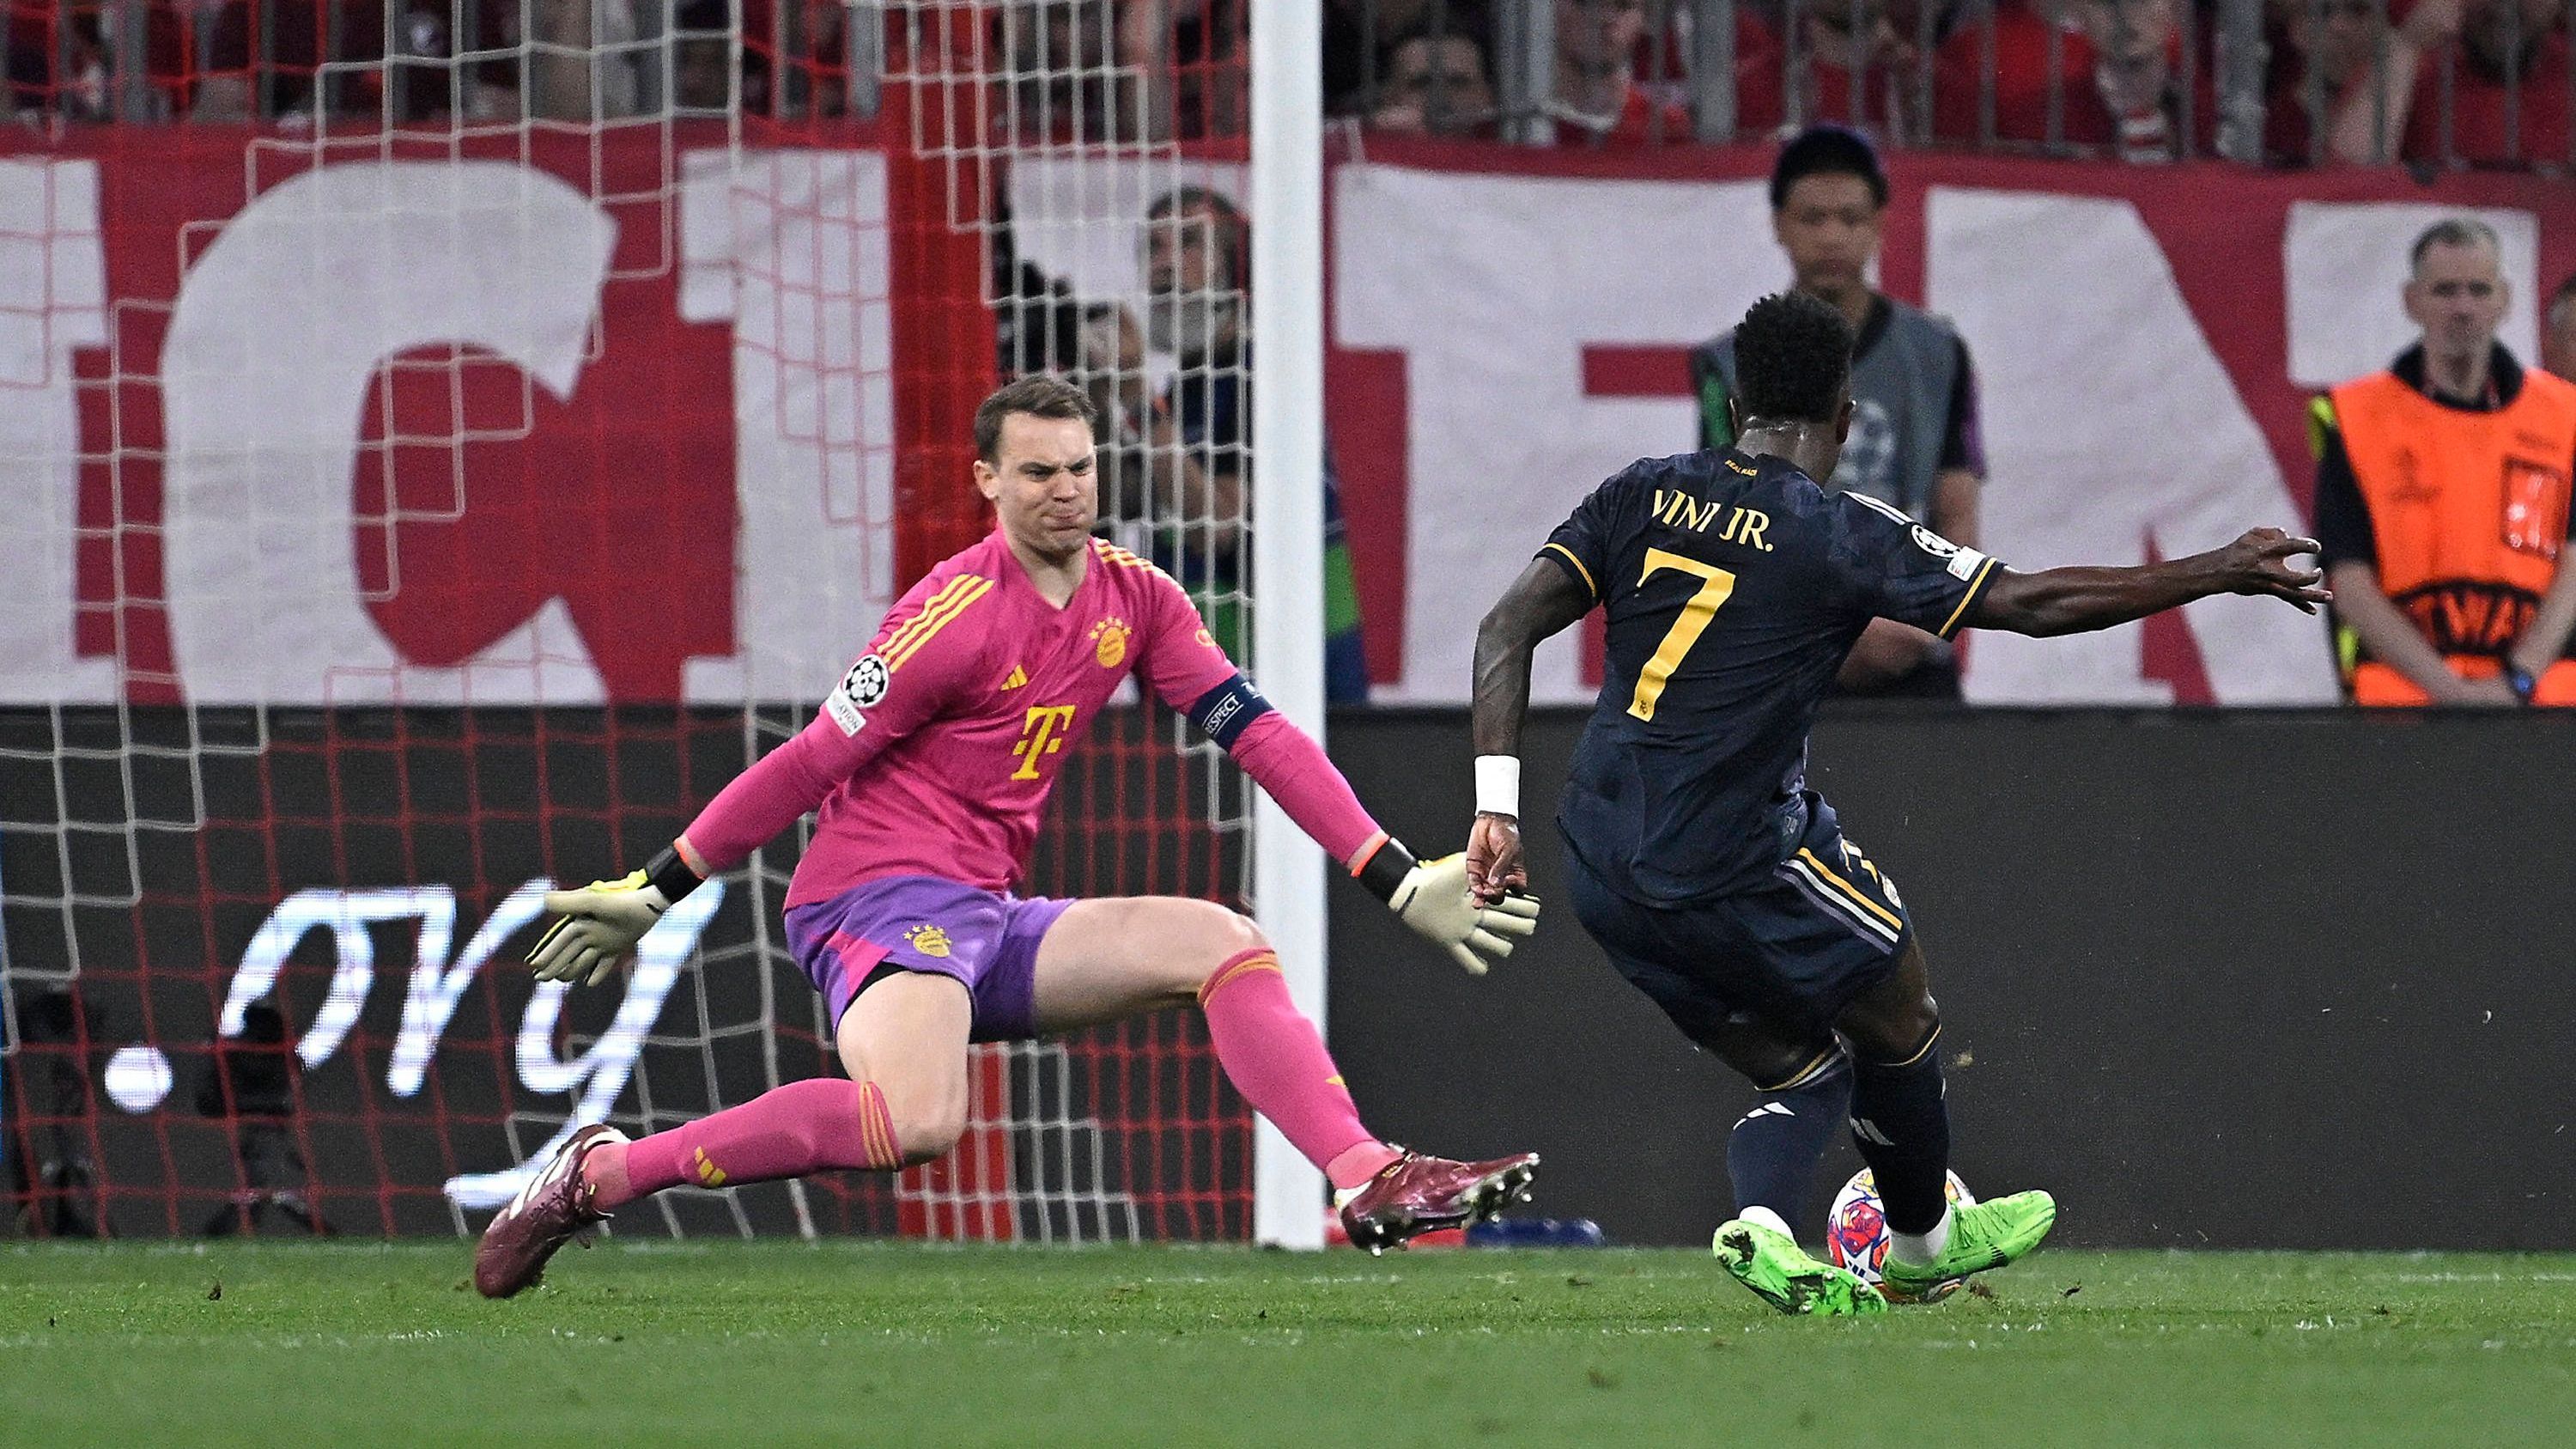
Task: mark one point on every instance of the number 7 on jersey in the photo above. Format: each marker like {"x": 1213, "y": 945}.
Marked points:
{"x": 1716, "y": 586}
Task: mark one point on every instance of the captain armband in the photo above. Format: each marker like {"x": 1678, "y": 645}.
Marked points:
{"x": 1223, "y": 713}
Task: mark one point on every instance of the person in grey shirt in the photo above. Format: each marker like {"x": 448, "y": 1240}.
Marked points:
{"x": 1914, "y": 440}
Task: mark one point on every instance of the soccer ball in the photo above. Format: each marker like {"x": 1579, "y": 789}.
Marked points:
{"x": 1856, "y": 1233}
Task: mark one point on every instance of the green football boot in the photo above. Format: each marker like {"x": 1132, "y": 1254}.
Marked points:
{"x": 1779, "y": 1274}
{"x": 1988, "y": 1235}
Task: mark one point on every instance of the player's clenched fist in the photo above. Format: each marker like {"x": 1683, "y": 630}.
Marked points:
{"x": 601, "y": 923}
{"x": 1431, "y": 897}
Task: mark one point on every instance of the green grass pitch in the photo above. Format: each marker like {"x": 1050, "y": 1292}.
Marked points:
{"x": 886, "y": 1344}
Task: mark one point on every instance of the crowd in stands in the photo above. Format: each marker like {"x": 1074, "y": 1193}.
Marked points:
{"x": 2470, "y": 82}
{"x": 2478, "y": 82}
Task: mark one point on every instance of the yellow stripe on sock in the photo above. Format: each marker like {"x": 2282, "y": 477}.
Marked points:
{"x": 1266, "y": 961}
{"x": 876, "y": 1125}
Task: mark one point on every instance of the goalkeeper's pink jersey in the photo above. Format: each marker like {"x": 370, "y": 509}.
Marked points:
{"x": 935, "y": 754}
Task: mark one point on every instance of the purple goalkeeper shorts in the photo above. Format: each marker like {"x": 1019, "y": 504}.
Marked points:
{"x": 987, "y": 943}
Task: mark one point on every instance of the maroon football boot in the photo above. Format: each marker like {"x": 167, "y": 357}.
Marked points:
{"x": 1416, "y": 1194}
{"x": 545, "y": 1215}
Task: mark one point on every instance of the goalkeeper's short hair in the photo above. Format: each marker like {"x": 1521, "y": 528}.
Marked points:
{"x": 1792, "y": 359}
{"x": 1039, "y": 396}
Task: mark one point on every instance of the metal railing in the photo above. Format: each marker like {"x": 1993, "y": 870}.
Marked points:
{"x": 2430, "y": 83}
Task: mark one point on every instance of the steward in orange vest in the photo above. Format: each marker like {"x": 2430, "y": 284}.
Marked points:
{"x": 2461, "y": 508}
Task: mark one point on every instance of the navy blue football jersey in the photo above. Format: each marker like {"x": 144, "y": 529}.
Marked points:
{"x": 1733, "y": 588}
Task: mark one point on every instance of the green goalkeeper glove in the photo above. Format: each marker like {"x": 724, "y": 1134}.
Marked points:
{"x": 603, "y": 920}
{"x": 1431, "y": 897}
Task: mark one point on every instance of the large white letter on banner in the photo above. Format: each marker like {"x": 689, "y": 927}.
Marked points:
{"x": 53, "y": 291}
{"x": 1492, "y": 287}
{"x": 276, "y": 333}
{"x": 2110, "y": 422}
{"x": 791, "y": 248}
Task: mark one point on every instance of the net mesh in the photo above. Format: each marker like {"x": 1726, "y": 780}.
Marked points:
{"x": 454, "y": 457}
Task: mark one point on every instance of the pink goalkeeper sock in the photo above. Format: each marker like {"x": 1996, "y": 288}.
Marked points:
{"x": 787, "y": 1132}
{"x": 1274, "y": 1058}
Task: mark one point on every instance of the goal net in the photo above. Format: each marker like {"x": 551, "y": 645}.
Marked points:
{"x": 443, "y": 455}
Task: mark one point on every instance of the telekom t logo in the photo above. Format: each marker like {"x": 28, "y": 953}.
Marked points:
{"x": 1041, "y": 736}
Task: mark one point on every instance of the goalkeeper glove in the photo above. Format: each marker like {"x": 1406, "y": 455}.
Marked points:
{"x": 603, "y": 920}
{"x": 1431, "y": 897}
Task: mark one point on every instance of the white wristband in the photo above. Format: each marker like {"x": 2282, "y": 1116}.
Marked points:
{"x": 1498, "y": 785}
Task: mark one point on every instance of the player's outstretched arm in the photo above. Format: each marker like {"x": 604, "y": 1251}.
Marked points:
{"x": 1429, "y": 896}
{"x": 2076, "y": 600}
{"x": 602, "y": 921}
{"x": 1190, "y": 673}
{"x": 1542, "y": 601}
{"x": 902, "y": 682}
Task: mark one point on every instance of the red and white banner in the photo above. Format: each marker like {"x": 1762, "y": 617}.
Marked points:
{"x": 610, "y": 419}
{"x": 587, "y": 419}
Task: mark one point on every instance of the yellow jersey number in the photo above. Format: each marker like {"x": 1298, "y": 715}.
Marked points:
{"x": 1716, "y": 586}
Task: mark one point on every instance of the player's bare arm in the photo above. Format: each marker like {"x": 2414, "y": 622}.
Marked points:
{"x": 1542, "y": 601}
{"x": 2078, "y": 600}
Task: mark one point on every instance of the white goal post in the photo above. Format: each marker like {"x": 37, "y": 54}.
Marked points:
{"x": 1286, "y": 192}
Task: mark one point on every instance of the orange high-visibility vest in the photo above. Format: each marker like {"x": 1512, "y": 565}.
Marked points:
{"x": 2469, "y": 510}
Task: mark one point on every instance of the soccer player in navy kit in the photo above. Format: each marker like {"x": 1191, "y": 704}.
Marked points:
{"x": 1714, "y": 880}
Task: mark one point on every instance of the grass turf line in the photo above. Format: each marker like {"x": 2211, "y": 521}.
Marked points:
{"x": 876, "y": 1343}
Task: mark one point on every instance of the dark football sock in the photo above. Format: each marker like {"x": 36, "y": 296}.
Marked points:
{"x": 1903, "y": 1129}
{"x": 1771, "y": 1155}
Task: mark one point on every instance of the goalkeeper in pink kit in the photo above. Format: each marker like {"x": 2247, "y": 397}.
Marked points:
{"x": 930, "y": 765}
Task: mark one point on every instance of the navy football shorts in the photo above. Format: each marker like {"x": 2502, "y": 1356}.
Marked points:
{"x": 1791, "y": 950}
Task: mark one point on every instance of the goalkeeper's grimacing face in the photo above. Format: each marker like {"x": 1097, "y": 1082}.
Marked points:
{"x": 1042, "y": 484}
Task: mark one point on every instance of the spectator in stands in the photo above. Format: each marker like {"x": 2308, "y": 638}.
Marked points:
{"x": 702, "y": 57}
{"x": 2509, "y": 83}
{"x": 1873, "y": 41}
{"x": 2558, "y": 340}
{"x": 63, "y": 61}
{"x": 1358, "y": 36}
{"x": 263, "y": 60}
{"x": 2448, "y": 588}
{"x": 584, "y": 68}
{"x": 2323, "y": 98}
{"x": 2364, "y": 128}
{"x": 1914, "y": 439}
{"x": 1191, "y": 444}
{"x": 1597, "y": 95}
{"x": 1436, "y": 84}
{"x": 2117, "y": 79}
